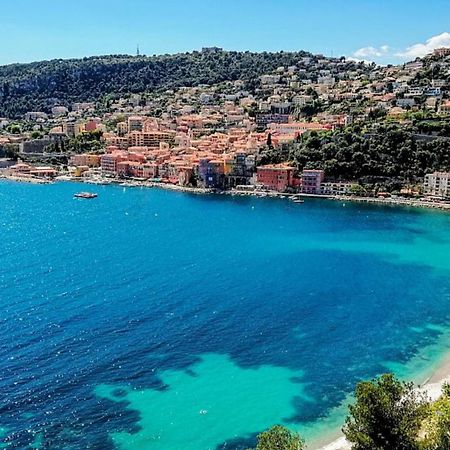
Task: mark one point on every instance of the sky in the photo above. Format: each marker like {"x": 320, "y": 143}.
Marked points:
{"x": 384, "y": 31}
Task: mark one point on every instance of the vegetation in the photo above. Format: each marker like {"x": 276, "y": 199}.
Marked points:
{"x": 41, "y": 85}
{"x": 279, "y": 438}
{"x": 387, "y": 414}
{"x": 382, "y": 152}
{"x": 86, "y": 142}
{"x": 435, "y": 432}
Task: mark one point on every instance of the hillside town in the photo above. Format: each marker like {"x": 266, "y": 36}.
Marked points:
{"x": 214, "y": 136}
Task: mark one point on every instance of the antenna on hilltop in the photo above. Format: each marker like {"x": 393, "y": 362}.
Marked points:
{"x": 137, "y": 50}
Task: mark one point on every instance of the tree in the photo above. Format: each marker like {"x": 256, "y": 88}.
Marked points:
{"x": 435, "y": 430}
{"x": 269, "y": 141}
{"x": 279, "y": 438}
{"x": 387, "y": 415}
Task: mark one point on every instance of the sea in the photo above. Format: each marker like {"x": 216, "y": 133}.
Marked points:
{"x": 148, "y": 319}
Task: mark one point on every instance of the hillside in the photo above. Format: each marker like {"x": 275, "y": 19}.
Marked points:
{"x": 40, "y": 85}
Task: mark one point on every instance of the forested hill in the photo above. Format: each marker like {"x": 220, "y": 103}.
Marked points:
{"x": 40, "y": 85}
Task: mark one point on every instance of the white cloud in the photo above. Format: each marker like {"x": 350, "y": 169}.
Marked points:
{"x": 420, "y": 50}
{"x": 385, "y": 53}
{"x": 371, "y": 52}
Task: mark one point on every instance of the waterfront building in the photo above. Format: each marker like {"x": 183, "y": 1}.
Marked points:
{"x": 336, "y": 188}
{"x": 20, "y": 168}
{"x": 211, "y": 172}
{"x": 311, "y": 181}
{"x": 85, "y": 159}
{"x": 149, "y": 170}
{"x": 437, "y": 184}
{"x": 109, "y": 161}
{"x": 43, "y": 172}
{"x": 277, "y": 177}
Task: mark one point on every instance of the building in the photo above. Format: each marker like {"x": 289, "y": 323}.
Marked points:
{"x": 212, "y": 49}
{"x": 441, "y": 52}
{"x": 276, "y": 177}
{"x": 263, "y": 119}
{"x": 336, "y": 188}
{"x": 85, "y": 159}
{"x": 72, "y": 128}
{"x": 444, "y": 108}
{"x": 35, "y": 146}
{"x": 59, "y": 111}
{"x": 152, "y": 139}
{"x": 297, "y": 128}
{"x": 135, "y": 123}
{"x": 211, "y": 172}
{"x": 109, "y": 161}
{"x": 437, "y": 184}
{"x": 312, "y": 181}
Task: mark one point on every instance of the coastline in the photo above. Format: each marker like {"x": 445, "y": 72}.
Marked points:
{"x": 415, "y": 203}
{"x": 432, "y": 388}
{"x": 412, "y": 203}
{"x": 24, "y": 179}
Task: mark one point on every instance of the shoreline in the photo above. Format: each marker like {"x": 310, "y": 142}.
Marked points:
{"x": 24, "y": 179}
{"x": 412, "y": 203}
{"x": 431, "y": 387}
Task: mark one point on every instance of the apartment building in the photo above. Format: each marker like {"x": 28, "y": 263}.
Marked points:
{"x": 437, "y": 184}
{"x": 151, "y": 139}
{"x": 277, "y": 177}
{"x": 312, "y": 181}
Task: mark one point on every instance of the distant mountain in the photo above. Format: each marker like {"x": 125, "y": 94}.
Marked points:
{"x": 40, "y": 85}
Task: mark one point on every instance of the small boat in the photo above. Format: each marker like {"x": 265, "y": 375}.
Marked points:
{"x": 85, "y": 195}
{"x": 298, "y": 201}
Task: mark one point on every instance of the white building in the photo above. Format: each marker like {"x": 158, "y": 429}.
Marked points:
{"x": 437, "y": 183}
{"x": 58, "y": 111}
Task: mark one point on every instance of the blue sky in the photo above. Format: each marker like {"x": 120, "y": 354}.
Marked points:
{"x": 380, "y": 30}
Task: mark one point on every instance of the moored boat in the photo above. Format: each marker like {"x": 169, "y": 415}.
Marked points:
{"x": 86, "y": 195}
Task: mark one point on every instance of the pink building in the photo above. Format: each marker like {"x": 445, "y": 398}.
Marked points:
{"x": 109, "y": 161}
{"x": 277, "y": 177}
{"x": 90, "y": 125}
{"x": 312, "y": 180}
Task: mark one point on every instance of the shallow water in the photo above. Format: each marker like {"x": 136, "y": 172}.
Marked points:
{"x": 147, "y": 319}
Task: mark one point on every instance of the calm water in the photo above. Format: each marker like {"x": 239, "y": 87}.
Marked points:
{"x": 147, "y": 319}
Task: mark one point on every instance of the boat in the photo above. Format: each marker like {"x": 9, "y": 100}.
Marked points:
{"x": 85, "y": 195}
{"x": 298, "y": 201}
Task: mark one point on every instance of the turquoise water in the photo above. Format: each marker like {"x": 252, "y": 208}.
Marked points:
{"x": 147, "y": 319}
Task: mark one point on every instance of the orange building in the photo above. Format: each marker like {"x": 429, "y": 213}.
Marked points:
{"x": 277, "y": 177}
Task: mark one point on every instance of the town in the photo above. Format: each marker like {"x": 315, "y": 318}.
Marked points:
{"x": 221, "y": 136}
